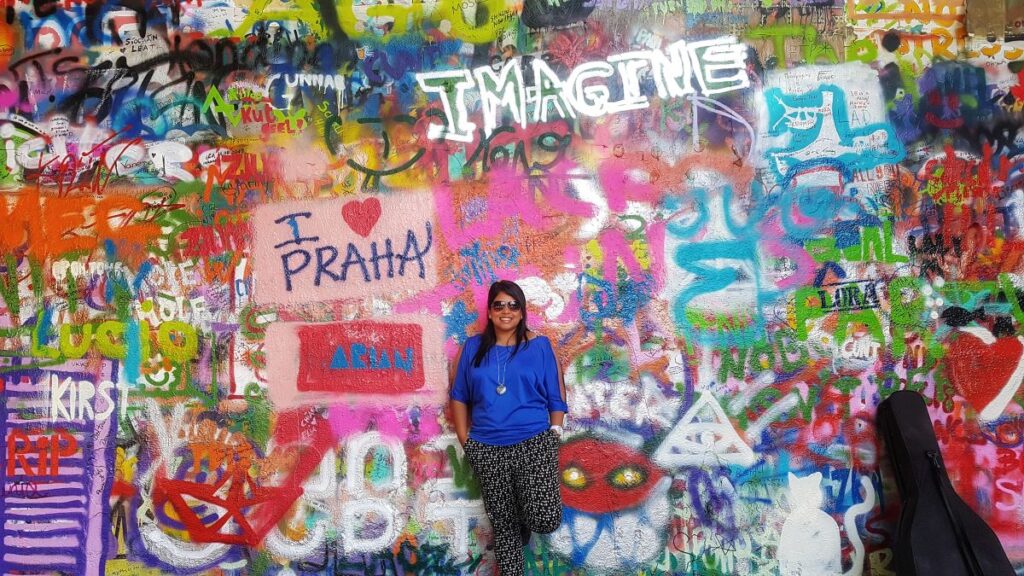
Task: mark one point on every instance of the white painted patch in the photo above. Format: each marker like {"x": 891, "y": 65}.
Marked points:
{"x": 810, "y": 538}
{"x": 355, "y": 515}
{"x": 702, "y": 437}
{"x": 540, "y": 293}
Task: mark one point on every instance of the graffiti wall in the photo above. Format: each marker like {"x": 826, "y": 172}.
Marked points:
{"x": 242, "y": 240}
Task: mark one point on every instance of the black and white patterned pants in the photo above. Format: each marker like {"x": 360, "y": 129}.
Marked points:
{"x": 520, "y": 489}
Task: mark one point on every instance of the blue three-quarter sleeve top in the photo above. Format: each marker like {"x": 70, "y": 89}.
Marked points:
{"x": 532, "y": 391}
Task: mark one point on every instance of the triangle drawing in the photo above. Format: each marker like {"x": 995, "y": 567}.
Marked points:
{"x": 703, "y": 437}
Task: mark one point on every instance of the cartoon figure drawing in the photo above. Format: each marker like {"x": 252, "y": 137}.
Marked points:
{"x": 810, "y": 543}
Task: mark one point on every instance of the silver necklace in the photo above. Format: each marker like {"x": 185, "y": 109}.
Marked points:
{"x": 501, "y": 371}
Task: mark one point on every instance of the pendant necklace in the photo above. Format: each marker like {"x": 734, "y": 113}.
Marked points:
{"x": 501, "y": 372}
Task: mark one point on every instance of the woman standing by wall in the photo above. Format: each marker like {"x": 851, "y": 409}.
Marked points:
{"x": 508, "y": 404}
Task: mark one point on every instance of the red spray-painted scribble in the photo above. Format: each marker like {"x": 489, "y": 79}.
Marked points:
{"x": 251, "y": 509}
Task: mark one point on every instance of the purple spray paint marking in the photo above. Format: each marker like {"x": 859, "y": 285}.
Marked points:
{"x": 53, "y": 509}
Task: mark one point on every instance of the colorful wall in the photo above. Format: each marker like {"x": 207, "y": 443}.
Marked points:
{"x": 241, "y": 240}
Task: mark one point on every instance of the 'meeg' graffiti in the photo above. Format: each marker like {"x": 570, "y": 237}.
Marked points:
{"x": 242, "y": 240}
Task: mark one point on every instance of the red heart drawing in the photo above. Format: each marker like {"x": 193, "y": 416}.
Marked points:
{"x": 985, "y": 370}
{"x": 361, "y": 217}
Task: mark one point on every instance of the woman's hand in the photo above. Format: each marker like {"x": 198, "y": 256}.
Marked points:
{"x": 460, "y": 420}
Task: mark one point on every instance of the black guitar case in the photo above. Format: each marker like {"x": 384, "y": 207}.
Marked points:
{"x": 938, "y": 534}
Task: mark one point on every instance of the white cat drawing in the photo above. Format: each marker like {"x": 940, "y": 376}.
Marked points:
{"x": 810, "y": 543}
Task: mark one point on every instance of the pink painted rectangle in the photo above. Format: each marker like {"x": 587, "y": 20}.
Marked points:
{"x": 322, "y": 250}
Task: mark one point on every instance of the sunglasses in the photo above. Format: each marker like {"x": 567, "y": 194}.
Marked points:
{"x": 499, "y": 305}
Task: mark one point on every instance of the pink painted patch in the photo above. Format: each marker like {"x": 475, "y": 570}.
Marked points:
{"x": 302, "y": 253}
{"x": 410, "y": 424}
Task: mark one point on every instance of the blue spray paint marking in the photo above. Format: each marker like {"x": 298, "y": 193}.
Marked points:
{"x": 904, "y": 119}
{"x": 137, "y": 115}
{"x": 581, "y": 550}
{"x": 688, "y": 256}
{"x": 457, "y": 321}
{"x": 818, "y": 205}
{"x": 108, "y": 287}
{"x": 622, "y": 301}
{"x": 363, "y": 357}
{"x": 396, "y": 63}
{"x": 833, "y": 267}
{"x": 144, "y": 271}
{"x": 712, "y": 279}
{"x": 43, "y": 327}
{"x": 72, "y": 23}
{"x": 480, "y": 265}
{"x": 133, "y": 350}
{"x": 953, "y": 95}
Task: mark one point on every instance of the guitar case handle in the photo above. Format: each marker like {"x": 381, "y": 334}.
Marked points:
{"x": 966, "y": 549}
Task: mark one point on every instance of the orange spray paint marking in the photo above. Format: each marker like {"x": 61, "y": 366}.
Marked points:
{"x": 53, "y": 226}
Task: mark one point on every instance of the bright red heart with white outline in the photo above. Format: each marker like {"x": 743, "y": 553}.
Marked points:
{"x": 361, "y": 217}
{"x": 985, "y": 370}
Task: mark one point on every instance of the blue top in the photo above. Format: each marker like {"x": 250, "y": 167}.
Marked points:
{"x": 532, "y": 391}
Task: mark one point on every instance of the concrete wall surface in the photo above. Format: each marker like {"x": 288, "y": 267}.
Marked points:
{"x": 241, "y": 241}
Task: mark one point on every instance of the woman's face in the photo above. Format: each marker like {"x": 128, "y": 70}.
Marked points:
{"x": 504, "y": 313}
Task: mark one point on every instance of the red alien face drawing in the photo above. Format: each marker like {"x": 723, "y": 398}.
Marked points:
{"x": 599, "y": 477}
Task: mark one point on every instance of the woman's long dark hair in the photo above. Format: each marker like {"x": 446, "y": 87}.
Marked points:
{"x": 488, "y": 339}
